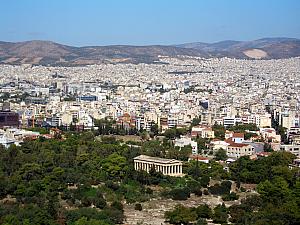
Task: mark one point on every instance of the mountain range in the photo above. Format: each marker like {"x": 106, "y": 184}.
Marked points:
{"x": 51, "y": 53}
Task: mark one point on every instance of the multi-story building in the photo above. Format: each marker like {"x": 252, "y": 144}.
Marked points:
{"x": 293, "y": 148}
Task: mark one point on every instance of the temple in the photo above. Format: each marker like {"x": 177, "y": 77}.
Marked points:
{"x": 171, "y": 167}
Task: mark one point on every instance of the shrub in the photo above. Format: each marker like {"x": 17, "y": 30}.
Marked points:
{"x": 204, "y": 211}
{"x": 220, "y": 189}
{"x": 230, "y": 197}
{"x": 201, "y": 221}
{"x": 204, "y": 181}
{"x": 180, "y": 193}
{"x": 112, "y": 185}
{"x": 100, "y": 203}
{"x": 86, "y": 201}
{"x": 198, "y": 192}
{"x": 117, "y": 205}
{"x": 138, "y": 207}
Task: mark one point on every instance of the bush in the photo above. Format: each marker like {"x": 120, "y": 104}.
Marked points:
{"x": 86, "y": 201}
{"x": 204, "y": 211}
{"x": 198, "y": 192}
{"x": 181, "y": 215}
{"x": 138, "y": 207}
{"x": 204, "y": 181}
{"x": 201, "y": 221}
{"x": 220, "y": 214}
{"x": 115, "y": 215}
{"x": 230, "y": 197}
{"x": 180, "y": 193}
{"x": 112, "y": 185}
{"x": 220, "y": 189}
{"x": 66, "y": 194}
{"x": 117, "y": 205}
{"x": 194, "y": 186}
{"x": 149, "y": 191}
{"x": 100, "y": 203}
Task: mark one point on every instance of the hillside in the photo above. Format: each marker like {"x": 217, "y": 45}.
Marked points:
{"x": 51, "y": 53}
{"x": 268, "y": 48}
{"x": 46, "y": 52}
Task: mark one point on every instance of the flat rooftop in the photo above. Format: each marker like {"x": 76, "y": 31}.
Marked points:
{"x": 156, "y": 159}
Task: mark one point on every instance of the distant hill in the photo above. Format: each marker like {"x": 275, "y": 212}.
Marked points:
{"x": 267, "y": 48}
{"x": 51, "y": 53}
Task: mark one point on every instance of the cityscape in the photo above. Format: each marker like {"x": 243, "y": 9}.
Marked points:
{"x": 192, "y": 133}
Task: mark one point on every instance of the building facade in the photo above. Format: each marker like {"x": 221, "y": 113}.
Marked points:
{"x": 171, "y": 167}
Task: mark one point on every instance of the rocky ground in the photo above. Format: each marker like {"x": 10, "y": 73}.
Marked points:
{"x": 154, "y": 210}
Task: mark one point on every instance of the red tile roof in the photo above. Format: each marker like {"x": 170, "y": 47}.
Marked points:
{"x": 238, "y": 135}
{"x": 198, "y": 157}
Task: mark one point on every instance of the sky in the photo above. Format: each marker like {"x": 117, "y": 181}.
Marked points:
{"x": 146, "y": 22}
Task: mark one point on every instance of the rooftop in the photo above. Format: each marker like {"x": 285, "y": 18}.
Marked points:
{"x": 156, "y": 159}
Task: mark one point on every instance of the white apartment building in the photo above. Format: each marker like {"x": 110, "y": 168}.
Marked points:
{"x": 295, "y": 149}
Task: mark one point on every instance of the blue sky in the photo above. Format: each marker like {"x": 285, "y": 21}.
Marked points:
{"x": 143, "y": 22}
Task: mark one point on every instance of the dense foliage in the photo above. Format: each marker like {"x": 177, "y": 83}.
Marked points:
{"x": 78, "y": 180}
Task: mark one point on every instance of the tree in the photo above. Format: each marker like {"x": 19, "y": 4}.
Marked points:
{"x": 220, "y": 214}
{"x": 267, "y": 147}
{"x": 154, "y": 128}
{"x": 170, "y": 133}
{"x": 204, "y": 211}
{"x": 196, "y": 121}
{"x": 85, "y": 221}
{"x": 219, "y": 131}
{"x": 230, "y": 197}
{"x": 201, "y": 221}
{"x": 221, "y": 155}
{"x": 220, "y": 189}
{"x": 180, "y": 193}
{"x": 181, "y": 215}
{"x": 276, "y": 191}
{"x": 115, "y": 166}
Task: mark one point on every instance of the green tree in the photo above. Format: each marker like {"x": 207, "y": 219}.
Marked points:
{"x": 221, "y": 155}
{"x": 275, "y": 191}
{"x": 85, "y": 221}
{"x": 181, "y": 215}
{"x": 219, "y": 131}
{"x": 115, "y": 166}
{"x": 204, "y": 211}
{"x": 196, "y": 121}
{"x": 170, "y": 133}
{"x": 154, "y": 128}
{"x": 220, "y": 214}
{"x": 201, "y": 221}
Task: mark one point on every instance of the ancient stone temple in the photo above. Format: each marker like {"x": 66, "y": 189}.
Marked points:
{"x": 171, "y": 167}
